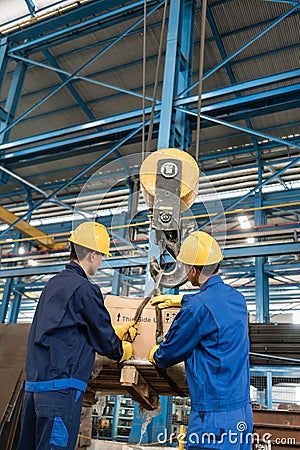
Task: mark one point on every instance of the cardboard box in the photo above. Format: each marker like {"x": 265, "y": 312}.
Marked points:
{"x": 122, "y": 311}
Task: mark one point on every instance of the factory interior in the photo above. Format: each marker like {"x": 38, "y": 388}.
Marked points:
{"x": 157, "y": 119}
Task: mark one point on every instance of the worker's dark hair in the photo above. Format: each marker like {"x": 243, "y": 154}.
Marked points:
{"x": 211, "y": 269}
{"x": 77, "y": 252}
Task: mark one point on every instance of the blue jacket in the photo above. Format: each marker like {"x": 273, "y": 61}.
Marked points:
{"x": 210, "y": 333}
{"x": 70, "y": 324}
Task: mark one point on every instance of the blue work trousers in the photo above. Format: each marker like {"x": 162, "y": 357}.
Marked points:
{"x": 220, "y": 430}
{"x": 50, "y": 420}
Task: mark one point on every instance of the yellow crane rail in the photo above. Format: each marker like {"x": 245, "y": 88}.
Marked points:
{"x": 24, "y": 227}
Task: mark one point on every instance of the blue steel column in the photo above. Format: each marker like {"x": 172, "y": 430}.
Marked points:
{"x": 13, "y": 100}
{"x": 5, "y": 299}
{"x": 15, "y": 301}
{"x": 174, "y": 128}
{"x": 3, "y": 59}
{"x": 269, "y": 390}
{"x": 9, "y": 285}
{"x": 180, "y": 129}
{"x": 261, "y": 277}
{"x": 3, "y": 67}
{"x": 117, "y": 277}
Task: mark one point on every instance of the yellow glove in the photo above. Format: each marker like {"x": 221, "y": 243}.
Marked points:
{"x": 126, "y": 332}
{"x": 167, "y": 300}
{"x": 127, "y": 351}
{"x": 151, "y": 354}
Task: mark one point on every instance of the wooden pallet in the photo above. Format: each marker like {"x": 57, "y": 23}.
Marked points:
{"x": 141, "y": 379}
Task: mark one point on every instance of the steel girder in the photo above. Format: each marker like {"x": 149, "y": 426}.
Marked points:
{"x": 216, "y": 109}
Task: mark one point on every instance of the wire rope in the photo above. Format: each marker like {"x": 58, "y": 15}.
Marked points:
{"x": 200, "y": 81}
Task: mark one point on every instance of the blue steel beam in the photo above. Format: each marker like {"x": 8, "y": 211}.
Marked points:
{"x": 180, "y": 127}
{"x": 52, "y": 269}
{"x": 256, "y": 108}
{"x": 130, "y": 115}
{"x": 5, "y": 299}
{"x": 3, "y": 115}
{"x": 28, "y": 46}
{"x": 261, "y": 276}
{"x": 223, "y": 36}
{"x": 61, "y": 188}
{"x": 237, "y": 52}
{"x": 3, "y": 62}
{"x": 115, "y": 118}
{"x": 35, "y": 188}
{"x": 173, "y": 127}
{"x": 228, "y": 90}
{"x": 95, "y": 8}
{"x": 139, "y": 261}
{"x": 262, "y": 250}
{"x": 255, "y": 133}
{"x": 76, "y": 72}
{"x": 289, "y": 282}
{"x": 139, "y": 61}
{"x": 188, "y": 100}
{"x": 292, "y": 268}
{"x": 259, "y": 109}
{"x": 31, "y": 7}
{"x": 89, "y": 79}
{"x": 169, "y": 75}
{"x": 92, "y": 9}
{"x": 241, "y": 87}
{"x": 74, "y": 93}
{"x": 230, "y": 74}
{"x": 70, "y": 87}
{"x": 291, "y": 2}
{"x": 248, "y": 130}
{"x": 12, "y": 100}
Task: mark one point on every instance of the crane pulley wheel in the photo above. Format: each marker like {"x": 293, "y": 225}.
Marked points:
{"x": 189, "y": 177}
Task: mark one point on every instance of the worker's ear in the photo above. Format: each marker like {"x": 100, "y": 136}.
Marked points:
{"x": 195, "y": 271}
{"x": 91, "y": 256}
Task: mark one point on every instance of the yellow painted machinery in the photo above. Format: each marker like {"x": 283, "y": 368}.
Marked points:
{"x": 169, "y": 180}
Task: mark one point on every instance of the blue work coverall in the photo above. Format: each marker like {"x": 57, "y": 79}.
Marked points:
{"x": 70, "y": 324}
{"x": 210, "y": 333}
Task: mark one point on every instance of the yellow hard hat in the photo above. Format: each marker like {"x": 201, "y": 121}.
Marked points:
{"x": 200, "y": 249}
{"x": 91, "y": 235}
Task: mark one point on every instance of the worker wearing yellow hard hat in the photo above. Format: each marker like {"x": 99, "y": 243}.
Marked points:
{"x": 93, "y": 236}
{"x": 210, "y": 334}
{"x": 70, "y": 324}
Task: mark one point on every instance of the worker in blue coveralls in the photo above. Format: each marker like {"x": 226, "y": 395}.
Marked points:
{"x": 210, "y": 334}
{"x": 70, "y": 324}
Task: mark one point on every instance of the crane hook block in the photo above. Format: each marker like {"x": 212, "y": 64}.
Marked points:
{"x": 170, "y": 164}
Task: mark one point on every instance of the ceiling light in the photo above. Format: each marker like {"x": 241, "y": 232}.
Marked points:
{"x": 251, "y": 240}
{"x": 21, "y": 251}
{"x": 244, "y": 222}
{"x": 32, "y": 262}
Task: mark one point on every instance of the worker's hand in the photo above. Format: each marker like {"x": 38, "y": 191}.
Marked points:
{"x": 127, "y": 351}
{"x": 167, "y": 300}
{"x": 151, "y": 354}
{"x": 126, "y": 332}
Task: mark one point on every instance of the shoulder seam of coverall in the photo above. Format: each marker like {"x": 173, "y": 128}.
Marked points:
{"x": 93, "y": 289}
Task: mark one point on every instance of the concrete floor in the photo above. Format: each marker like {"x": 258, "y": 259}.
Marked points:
{"x": 100, "y": 445}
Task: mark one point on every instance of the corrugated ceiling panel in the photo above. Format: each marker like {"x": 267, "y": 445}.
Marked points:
{"x": 12, "y": 9}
